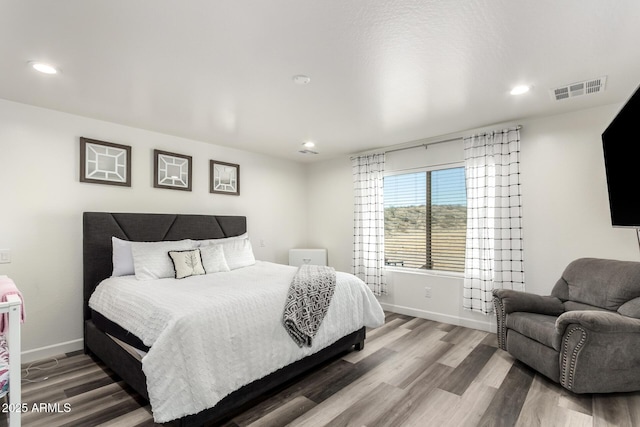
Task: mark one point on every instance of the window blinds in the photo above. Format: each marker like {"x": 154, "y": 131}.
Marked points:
{"x": 425, "y": 219}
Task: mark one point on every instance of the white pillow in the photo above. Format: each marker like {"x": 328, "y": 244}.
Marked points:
{"x": 213, "y": 259}
{"x": 151, "y": 259}
{"x": 238, "y": 253}
{"x": 186, "y": 263}
{"x": 122, "y": 257}
{"x": 207, "y": 242}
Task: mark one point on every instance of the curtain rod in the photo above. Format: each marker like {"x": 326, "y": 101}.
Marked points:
{"x": 435, "y": 142}
{"x": 423, "y": 145}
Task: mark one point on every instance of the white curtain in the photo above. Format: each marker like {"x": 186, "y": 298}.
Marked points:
{"x": 494, "y": 257}
{"x": 368, "y": 229}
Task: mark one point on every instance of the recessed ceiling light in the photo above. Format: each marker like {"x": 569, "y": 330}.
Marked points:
{"x": 44, "y": 68}
{"x": 519, "y": 90}
{"x": 308, "y": 144}
{"x": 301, "y": 79}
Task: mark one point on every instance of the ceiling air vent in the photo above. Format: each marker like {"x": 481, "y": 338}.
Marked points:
{"x": 572, "y": 90}
{"x": 307, "y": 152}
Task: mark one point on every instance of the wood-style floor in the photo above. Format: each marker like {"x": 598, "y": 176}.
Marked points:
{"x": 412, "y": 372}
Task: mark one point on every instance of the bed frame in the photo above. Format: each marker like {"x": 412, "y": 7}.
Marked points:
{"x": 98, "y": 228}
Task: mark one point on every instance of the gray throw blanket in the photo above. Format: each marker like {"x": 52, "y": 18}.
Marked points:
{"x": 307, "y": 302}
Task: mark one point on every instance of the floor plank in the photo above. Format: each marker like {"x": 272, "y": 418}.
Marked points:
{"x": 366, "y": 411}
{"x": 506, "y": 405}
{"x": 541, "y": 404}
{"x": 468, "y": 369}
{"x": 286, "y": 413}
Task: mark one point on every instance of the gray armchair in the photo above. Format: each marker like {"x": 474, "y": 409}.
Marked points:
{"x": 586, "y": 334}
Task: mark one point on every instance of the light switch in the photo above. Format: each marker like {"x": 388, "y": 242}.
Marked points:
{"x": 5, "y": 256}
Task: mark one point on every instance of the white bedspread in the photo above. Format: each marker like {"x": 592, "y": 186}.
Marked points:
{"x": 211, "y": 334}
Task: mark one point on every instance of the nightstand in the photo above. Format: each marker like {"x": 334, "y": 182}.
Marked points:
{"x": 298, "y": 257}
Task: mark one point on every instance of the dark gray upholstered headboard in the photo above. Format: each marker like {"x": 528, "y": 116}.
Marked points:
{"x": 99, "y": 227}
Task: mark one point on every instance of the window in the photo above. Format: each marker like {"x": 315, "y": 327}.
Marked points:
{"x": 425, "y": 219}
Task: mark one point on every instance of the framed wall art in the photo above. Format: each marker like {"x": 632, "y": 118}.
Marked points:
{"x": 105, "y": 162}
{"x": 171, "y": 170}
{"x": 224, "y": 178}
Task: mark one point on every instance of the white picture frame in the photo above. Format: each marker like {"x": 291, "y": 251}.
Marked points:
{"x": 104, "y": 162}
{"x": 172, "y": 170}
{"x": 224, "y": 178}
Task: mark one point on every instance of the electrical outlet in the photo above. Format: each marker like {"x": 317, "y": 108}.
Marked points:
{"x": 5, "y": 256}
{"x": 427, "y": 292}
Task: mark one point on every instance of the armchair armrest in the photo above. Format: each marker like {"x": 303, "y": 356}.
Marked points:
{"x": 599, "y": 351}
{"x": 598, "y": 321}
{"x": 513, "y": 301}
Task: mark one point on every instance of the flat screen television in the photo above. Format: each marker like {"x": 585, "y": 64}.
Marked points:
{"x": 621, "y": 148}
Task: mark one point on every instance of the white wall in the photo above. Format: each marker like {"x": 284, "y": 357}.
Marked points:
{"x": 566, "y": 205}
{"x": 565, "y": 215}
{"x": 42, "y": 201}
{"x": 330, "y": 221}
{"x": 287, "y": 204}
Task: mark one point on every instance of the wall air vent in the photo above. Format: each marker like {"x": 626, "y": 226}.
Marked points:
{"x": 572, "y": 90}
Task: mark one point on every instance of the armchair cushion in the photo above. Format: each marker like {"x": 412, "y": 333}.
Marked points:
{"x": 572, "y": 306}
{"x": 631, "y": 308}
{"x": 603, "y": 283}
{"x": 539, "y": 327}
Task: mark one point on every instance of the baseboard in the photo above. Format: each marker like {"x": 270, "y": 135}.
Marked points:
{"x": 489, "y": 325}
{"x": 52, "y": 350}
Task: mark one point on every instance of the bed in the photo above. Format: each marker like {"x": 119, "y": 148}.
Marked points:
{"x": 123, "y": 350}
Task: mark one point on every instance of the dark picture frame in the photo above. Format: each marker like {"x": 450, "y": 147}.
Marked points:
{"x": 172, "y": 170}
{"x": 224, "y": 178}
{"x": 104, "y": 162}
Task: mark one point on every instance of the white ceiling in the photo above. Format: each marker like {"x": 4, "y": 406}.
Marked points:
{"x": 382, "y": 72}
